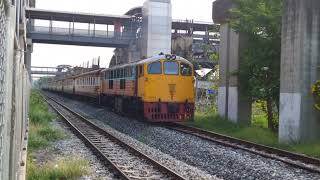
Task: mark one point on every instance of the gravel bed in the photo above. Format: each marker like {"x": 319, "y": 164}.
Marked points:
{"x": 224, "y": 162}
{"x": 71, "y": 147}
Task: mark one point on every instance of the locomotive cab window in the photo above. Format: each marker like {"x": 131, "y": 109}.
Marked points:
{"x": 171, "y": 68}
{"x": 155, "y": 68}
{"x": 140, "y": 70}
{"x": 185, "y": 69}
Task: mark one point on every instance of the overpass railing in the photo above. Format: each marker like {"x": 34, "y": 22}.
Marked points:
{"x": 44, "y": 70}
{"x": 80, "y": 32}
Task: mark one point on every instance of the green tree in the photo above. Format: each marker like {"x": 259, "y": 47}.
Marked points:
{"x": 260, "y": 21}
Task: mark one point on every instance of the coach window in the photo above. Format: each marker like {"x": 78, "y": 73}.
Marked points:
{"x": 110, "y": 84}
{"x": 122, "y": 83}
{"x": 121, "y": 73}
{"x": 126, "y": 72}
{"x": 155, "y": 68}
{"x": 171, "y": 68}
{"x": 117, "y": 73}
{"x": 185, "y": 69}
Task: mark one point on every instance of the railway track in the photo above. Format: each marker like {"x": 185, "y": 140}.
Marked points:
{"x": 126, "y": 161}
{"x": 297, "y": 160}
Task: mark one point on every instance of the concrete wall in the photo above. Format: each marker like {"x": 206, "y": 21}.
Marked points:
{"x": 14, "y": 94}
{"x": 300, "y": 61}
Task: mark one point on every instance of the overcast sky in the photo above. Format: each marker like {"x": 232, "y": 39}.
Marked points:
{"x": 53, "y": 55}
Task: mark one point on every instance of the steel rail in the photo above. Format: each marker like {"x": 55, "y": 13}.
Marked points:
{"x": 296, "y": 160}
{"x": 114, "y": 139}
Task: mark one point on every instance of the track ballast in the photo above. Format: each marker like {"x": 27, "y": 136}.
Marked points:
{"x": 125, "y": 160}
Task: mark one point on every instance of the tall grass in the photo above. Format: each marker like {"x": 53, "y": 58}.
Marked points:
{"x": 70, "y": 168}
{"x": 42, "y": 135}
{"x": 39, "y": 113}
{"x": 257, "y": 132}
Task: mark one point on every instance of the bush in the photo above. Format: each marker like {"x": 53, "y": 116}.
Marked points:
{"x": 316, "y": 93}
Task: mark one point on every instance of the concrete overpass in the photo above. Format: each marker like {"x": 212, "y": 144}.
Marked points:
{"x": 121, "y": 31}
{"x": 35, "y": 70}
{"x": 125, "y": 29}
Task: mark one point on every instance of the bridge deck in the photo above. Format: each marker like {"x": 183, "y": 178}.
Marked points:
{"x": 34, "y": 13}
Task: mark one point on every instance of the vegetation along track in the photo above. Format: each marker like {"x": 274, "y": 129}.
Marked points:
{"x": 293, "y": 159}
{"x": 125, "y": 160}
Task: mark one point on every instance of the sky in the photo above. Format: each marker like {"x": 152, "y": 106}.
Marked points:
{"x": 53, "y": 55}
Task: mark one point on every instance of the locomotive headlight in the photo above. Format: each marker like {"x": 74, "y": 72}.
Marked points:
{"x": 171, "y": 57}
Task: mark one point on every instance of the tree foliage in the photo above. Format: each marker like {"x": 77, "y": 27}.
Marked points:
{"x": 259, "y": 73}
{"x": 316, "y": 93}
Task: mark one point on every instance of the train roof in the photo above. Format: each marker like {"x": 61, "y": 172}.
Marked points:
{"x": 86, "y": 73}
{"x": 149, "y": 60}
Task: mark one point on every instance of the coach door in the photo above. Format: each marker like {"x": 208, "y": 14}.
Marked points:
{"x": 74, "y": 86}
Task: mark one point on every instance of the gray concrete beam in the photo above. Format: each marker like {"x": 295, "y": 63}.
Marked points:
{"x": 232, "y": 103}
{"x": 239, "y": 106}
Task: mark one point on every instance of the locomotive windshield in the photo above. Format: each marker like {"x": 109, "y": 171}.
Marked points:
{"x": 171, "y": 68}
{"x": 155, "y": 68}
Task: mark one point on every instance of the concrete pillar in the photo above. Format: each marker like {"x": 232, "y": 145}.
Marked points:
{"x": 156, "y": 27}
{"x": 300, "y": 61}
{"x": 232, "y": 103}
{"x": 27, "y": 55}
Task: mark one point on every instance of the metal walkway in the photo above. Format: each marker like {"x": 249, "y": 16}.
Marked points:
{"x": 125, "y": 29}
{"x": 44, "y": 70}
{"x": 81, "y": 37}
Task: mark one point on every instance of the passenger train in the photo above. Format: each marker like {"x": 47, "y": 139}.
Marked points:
{"x": 161, "y": 88}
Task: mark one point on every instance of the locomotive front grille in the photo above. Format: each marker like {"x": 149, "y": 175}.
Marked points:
{"x": 172, "y": 90}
